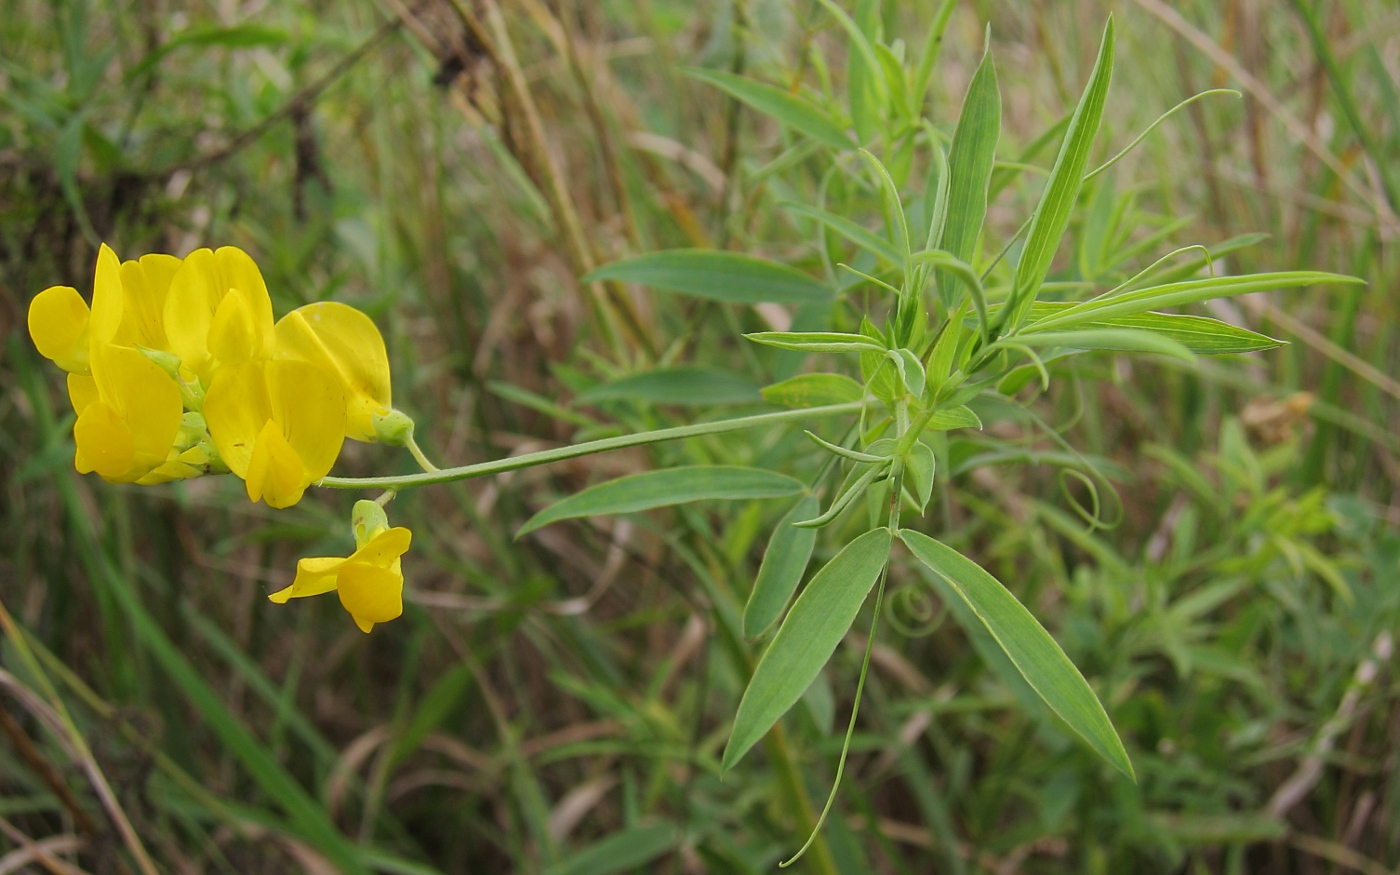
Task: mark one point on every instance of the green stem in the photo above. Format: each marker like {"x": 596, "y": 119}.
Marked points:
{"x": 418, "y": 455}
{"x": 545, "y": 457}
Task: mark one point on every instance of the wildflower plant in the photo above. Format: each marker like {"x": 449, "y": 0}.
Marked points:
{"x": 177, "y": 369}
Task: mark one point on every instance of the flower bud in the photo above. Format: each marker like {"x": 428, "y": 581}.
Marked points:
{"x": 394, "y": 428}
{"x": 366, "y": 519}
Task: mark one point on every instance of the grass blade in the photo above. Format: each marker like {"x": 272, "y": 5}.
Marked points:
{"x": 793, "y": 111}
{"x": 717, "y": 276}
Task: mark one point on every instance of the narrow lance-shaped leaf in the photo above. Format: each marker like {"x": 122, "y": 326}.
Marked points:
{"x": 813, "y": 390}
{"x": 793, "y": 111}
{"x": 664, "y": 488}
{"x": 970, "y": 167}
{"x": 784, "y": 563}
{"x": 1180, "y": 294}
{"x": 1035, "y": 654}
{"x": 1062, "y": 190}
{"x": 1112, "y": 339}
{"x": 1200, "y": 334}
{"x": 809, "y": 635}
{"x": 716, "y": 275}
{"x": 816, "y": 341}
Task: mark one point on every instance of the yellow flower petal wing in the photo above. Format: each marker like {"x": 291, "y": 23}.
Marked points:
{"x": 347, "y": 342}
{"x": 58, "y": 324}
{"x": 198, "y": 333}
{"x": 370, "y": 593}
{"x": 105, "y": 444}
{"x": 316, "y": 575}
{"x": 236, "y": 407}
{"x": 310, "y": 405}
{"x": 136, "y": 417}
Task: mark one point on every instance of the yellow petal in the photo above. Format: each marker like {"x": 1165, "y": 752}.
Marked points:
{"x": 147, "y": 399}
{"x": 370, "y": 593}
{"x": 189, "y": 309}
{"x": 275, "y": 471}
{"x": 197, "y": 333}
{"x": 315, "y": 575}
{"x": 105, "y": 443}
{"x": 58, "y": 323}
{"x": 384, "y": 548}
{"x": 346, "y": 342}
{"x": 145, "y": 285}
{"x": 107, "y": 304}
{"x": 236, "y": 408}
{"x": 82, "y": 391}
{"x": 308, "y": 402}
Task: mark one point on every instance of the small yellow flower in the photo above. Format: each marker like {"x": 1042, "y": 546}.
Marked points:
{"x": 128, "y": 300}
{"x": 129, "y": 413}
{"x": 278, "y": 425}
{"x": 369, "y": 581}
{"x": 345, "y": 342}
{"x": 218, "y": 312}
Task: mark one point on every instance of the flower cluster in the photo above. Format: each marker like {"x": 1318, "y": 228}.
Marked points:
{"x": 178, "y": 370}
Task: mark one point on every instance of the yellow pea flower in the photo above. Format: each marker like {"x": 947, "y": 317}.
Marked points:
{"x": 345, "y": 342}
{"x": 128, "y": 301}
{"x": 129, "y": 413}
{"x": 369, "y": 581}
{"x": 218, "y": 312}
{"x": 278, "y": 425}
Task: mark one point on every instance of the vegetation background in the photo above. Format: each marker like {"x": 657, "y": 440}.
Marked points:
{"x": 555, "y": 704}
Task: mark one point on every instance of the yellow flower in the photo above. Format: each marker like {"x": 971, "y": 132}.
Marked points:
{"x": 218, "y": 312}
{"x": 345, "y": 342}
{"x": 278, "y": 425}
{"x": 369, "y": 581}
{"x": 128, "y": 301}
{"x": 129, "y": 413}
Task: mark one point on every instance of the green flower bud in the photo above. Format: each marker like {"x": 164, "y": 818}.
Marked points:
{"x": 394, "y": 428}
{"x": 366, "y": 519}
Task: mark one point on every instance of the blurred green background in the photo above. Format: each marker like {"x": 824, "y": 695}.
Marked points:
{"x": 558, "y": 704}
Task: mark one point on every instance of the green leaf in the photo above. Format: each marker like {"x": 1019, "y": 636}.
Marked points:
{"x": 681, "y": 386}
{"x": 920, "y": 464}
{"x": 953, "y": 417}
{"x": 813, "y": 390}
{"x": 716, "y": 275}
{"x": 793, "y": 111}
{"x": 816, "y": 341}
{"x": 1062, "y": 190}
{"x": 912, "y": 372}
{"x": 970, "y": 167}
{"x": 896, "y": 223}
{"x": 1201, "y": 335}
{"x": 664, "y": 488}
{"x": 1119, "y": 339}
{"x": 624, "y": 850}
{"x": 1035, "y": 654}
{"x": 784, "y": 563}
{"x": 809, "y": 635}
{"x": 1180, "y": 294}
{"x": 857, "y": 234}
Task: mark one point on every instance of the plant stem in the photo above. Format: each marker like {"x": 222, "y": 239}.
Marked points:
{"x": 418, "y": 456}
{"x": 588, "y": 448}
